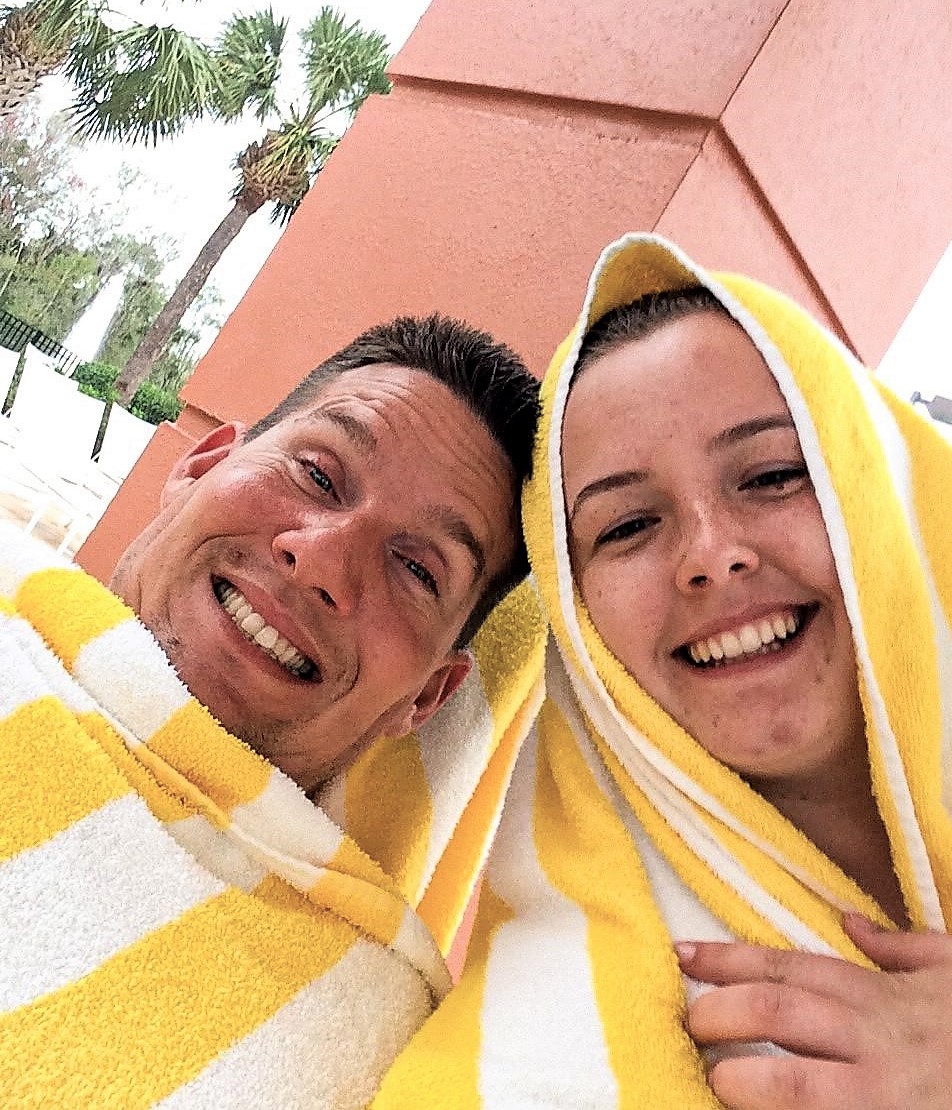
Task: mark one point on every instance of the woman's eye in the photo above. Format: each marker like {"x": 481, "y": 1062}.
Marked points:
{"x": 777, "y": 480}
{"x": 625, "y": 530}
{"x": 419, "y": 571}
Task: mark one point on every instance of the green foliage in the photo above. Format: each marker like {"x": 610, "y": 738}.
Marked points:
{"x": 151, "y": 402}
{"x": 97, "y": 379}
{"x": 142, "y": 298}
{"x": 142, "y": 301}
{"x": 248, "y": 55}
{"x": 141, "y": 83}
{"x": 154, "y": 404}
{"x": 52, "y": 26}
{"x": 48, "y": 289}
{"x": 343, "y": 63}
{"x": 36, "y": 183}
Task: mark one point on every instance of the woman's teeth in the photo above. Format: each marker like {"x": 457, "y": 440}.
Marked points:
{"x": 756, "y": 638}
{"x": 255, "y": 628}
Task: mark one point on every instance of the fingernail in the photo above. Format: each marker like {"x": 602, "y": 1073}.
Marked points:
{"x": 864, "y": 922}
{"x": 686, "y": 951}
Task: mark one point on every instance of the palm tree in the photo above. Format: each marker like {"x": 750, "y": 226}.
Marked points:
{"x": 128, "y": 83}
{"x": 343, "y": 65}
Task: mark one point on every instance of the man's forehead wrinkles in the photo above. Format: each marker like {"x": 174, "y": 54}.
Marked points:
{"x": 358, "y": 432}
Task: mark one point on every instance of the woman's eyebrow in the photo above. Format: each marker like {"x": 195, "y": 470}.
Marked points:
{"x": 750, "y": 428}
{"x": 604, "y": 485}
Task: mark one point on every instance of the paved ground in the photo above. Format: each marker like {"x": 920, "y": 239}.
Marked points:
{"x": 51, "y": 528}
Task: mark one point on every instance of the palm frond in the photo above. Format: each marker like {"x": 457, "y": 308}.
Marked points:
{"x": 248, "y": 55}
{"x": 92, "y": 54}
{"x": 342, "y": 61}
{"x": 160, "y": 78}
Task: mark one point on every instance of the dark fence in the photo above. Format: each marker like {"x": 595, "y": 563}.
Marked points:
{"x": 15, "y": 334}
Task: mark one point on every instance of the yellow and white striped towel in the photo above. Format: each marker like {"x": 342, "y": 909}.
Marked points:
{"x": 621, "y": 834}
{"x": 179, "y": 925}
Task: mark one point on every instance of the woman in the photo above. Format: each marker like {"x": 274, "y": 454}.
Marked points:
{"x": 741, "y": 541}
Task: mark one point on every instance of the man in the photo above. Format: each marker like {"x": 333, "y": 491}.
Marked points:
{"x": 180, "y": 925}
{"x": 371, "y": 520}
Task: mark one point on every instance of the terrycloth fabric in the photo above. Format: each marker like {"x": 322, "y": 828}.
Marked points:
{"x": 621, "y": 834}
{"x": 179, "y": 925}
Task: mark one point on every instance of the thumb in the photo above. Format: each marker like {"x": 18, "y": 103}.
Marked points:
{"x": 897, "y": 951}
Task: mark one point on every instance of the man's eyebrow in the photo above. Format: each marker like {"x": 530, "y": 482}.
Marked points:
{"x": 605, "y": 485}
{"x": 750, "y": 428}
{"x": 457, "y": 529}
{"x": 355, "y": 430}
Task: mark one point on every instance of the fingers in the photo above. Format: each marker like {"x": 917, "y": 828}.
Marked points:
{"x": 711, "y": 962}
{"x": 790, "y": 1017}
{"x": 902, "y": 951}
{"x": 788, "y": 1083}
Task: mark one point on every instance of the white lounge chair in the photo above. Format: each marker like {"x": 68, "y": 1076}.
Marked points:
{"x": 56, "y": 429}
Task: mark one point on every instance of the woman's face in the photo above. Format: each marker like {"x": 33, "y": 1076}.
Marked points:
{"x": 699, "y": 549}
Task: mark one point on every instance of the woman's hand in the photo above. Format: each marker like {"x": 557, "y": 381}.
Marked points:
{"x": 859, "y": 1039}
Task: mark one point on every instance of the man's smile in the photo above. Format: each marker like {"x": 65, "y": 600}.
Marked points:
{"x": 255, "y": 628}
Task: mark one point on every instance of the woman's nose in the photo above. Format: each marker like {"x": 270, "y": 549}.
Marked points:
{"x": 714, "y": 551}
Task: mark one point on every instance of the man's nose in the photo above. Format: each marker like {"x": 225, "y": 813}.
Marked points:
{"x": 714, "y": 550}
{"x": 326, "y": 558}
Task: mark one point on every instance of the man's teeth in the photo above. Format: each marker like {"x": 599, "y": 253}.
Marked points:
{"x": 749, "y": 639}
{"x": 256, "y": 629}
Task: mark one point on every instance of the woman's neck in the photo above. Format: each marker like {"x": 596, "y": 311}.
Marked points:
{"x": 835, "y": 808}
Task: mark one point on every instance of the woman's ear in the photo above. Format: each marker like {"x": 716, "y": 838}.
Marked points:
{"x": 198, "y": 460}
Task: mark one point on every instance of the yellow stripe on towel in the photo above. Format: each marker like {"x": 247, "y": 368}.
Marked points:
{"x": 442, "y": 1073}
{"x": 402, "y": 797}
{"x": 222, "y": 768}
{"x": 443, "y": 905}
{"x": 205, "y": 995}
{"x": 588, "y": 855}
{"x": 68, "y": 609}
{"x": 54, "y": 774}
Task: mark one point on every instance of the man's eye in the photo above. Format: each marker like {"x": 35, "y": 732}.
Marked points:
{"x": 625, "y": 530}
{"x": 419, "y": 571}
{"x": 778, "y": 479}
{"x": 320, "y": 478}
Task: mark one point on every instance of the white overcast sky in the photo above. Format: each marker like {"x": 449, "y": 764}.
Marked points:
{"x": 189, "y": 179}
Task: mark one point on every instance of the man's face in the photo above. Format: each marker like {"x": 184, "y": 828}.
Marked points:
{"x": 309, "y": 585}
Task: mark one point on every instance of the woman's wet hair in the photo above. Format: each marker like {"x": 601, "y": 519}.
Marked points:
{"x": 642, "y": 317}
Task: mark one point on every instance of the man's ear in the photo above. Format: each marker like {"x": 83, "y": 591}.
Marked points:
{"x": 441, "y": 685}
{"x": 198, "y": 460}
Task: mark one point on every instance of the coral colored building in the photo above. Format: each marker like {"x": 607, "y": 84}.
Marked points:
{"x": 807, "y": 142}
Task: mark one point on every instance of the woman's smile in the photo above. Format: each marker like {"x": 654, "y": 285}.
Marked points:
{"x": 758, "y": 637}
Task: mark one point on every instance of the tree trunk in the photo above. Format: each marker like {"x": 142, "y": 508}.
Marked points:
{"x": 18, "y": 78}
{"x": 153, "y": 343}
